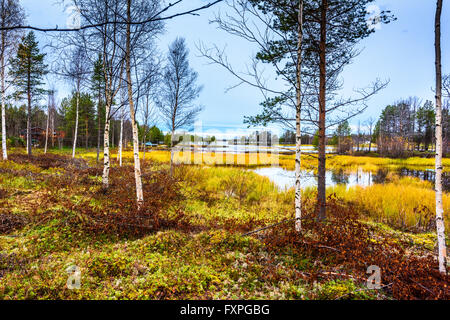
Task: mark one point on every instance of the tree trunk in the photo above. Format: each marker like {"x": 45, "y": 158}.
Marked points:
{"x": 112, "y": 133}
{"x": 119, "y": 153}
{"x": 76, "y": 126}
{"x": 144, "y": 143}
{"x": 46, "y": 130}
{"x": 4, "y": 147}
{"x": 99, "y": 131}
{"x": 106, "y": 162}
{"x": 29, "y": 142}
{"x": 171, "y": 152}
{"x": 321, "y": 187}
{"x": 137, "y": 164}
{"x": 440, "y": 226}
{"x": 52, "y": 126}
{"x": 298, "y": 135}
{"x": 86, "y": 122}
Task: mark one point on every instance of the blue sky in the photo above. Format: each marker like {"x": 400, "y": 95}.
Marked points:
{"x": 402, "y": 52}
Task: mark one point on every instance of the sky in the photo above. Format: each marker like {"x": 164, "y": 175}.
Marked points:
{"x": 401, "y": 52}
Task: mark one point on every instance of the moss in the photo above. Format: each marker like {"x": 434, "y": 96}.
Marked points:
{"x": 341, "y": 289}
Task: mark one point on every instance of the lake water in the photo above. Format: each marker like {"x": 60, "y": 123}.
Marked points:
{"x": 285, "y": 179}
{"x": 239, "y": 148}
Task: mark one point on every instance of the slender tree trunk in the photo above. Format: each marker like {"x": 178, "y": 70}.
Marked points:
{"x": 52, "y": 126}
{"x": 137, "y": 164}
{"x": 29, "y": 142}
{"x": 144, "y": 143}
{"x": 99, "y": 131}
{"x": 298, "y": 135}
{"x": 321, "y": 187}
{"x": 4, "y": 147}
{"x": 46, "y": 130}
{"x": 106, "y": 162}
{"x": 171, "y": 152}
{"x": 440, "y": 226}
{"x": 119, "y": 153}
{"x": 112, "y": 125}
{"x": 86, "y": 123}
{"x": 76, "y": 126}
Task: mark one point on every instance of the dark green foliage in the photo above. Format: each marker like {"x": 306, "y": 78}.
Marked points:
{"x": 28, "y": 69}
{"x": 154, "y": 134}
{"x": 347, "y": 25}
{"x": 87, "y": 116}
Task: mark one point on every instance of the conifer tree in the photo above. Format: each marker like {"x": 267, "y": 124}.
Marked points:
{"x": 27, "y": 70}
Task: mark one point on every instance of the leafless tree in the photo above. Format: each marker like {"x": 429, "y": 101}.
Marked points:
{"x": 178, "y": 91}
{"x": 370, "y": 122}
{"x": 161, "y": 15}
{"x": 149, "y": 80}
{"x": 277, "y": 27}
{"x": 258, "y": 25}
{"x": 11, "y": 14}
{"x": 75, "y": 68}
{"x": 51, "y": 108}
{"x": 107, "y": 39}
{"x": 139, "y": 37}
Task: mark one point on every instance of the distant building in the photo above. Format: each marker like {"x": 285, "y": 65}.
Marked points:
{"x": 38, "y": 135}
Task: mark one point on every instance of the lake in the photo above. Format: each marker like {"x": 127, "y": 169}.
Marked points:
{"x": 285, "y": 179}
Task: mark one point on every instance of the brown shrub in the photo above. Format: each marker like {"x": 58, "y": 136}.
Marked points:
{"x": 343, "y": 242}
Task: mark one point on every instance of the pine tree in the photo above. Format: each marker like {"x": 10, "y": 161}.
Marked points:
{"x": 27, "y": 70}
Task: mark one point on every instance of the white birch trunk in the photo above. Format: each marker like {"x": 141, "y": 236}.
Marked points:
{"x": 4, "y": 147}
{"x": 76, "y": 127}
{"x": 106, "y": 162}
{"x": 46, "y": 130}
{"x": 137, "y": 163}
{"x": 119, "y": 153}
{"x": 2, "y": 61}
{"x": 298, "y": 134}
{"x": 440, "y": 226}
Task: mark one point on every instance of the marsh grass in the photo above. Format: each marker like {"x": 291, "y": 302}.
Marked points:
{"x": 204, "y": 256}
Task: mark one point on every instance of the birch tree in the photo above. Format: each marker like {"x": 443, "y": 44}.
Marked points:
{"x": 98, "y": 89}
{"x": 440, "y": 226}
{"x": 122, "y": 118}
{"x": 149, "y": 113}
{"x": 331, "y": 29}
{"x": 11, "y": 14}
{"x": 178, "y": 92}
{"x": 264, "y": 23}
{"x": 106, "y": 40}
{"x": 50, "y": 114}
{"x": 138, "y": 39}
{"x": 77, "y": 73}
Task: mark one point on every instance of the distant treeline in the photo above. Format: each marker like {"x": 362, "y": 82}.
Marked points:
{"x": 403, "y": 128}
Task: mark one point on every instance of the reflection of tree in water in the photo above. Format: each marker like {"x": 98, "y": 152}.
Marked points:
{"x": 339, "y": 177}
{"x": 380, "y": 176}
{"x": 427, "y": 175}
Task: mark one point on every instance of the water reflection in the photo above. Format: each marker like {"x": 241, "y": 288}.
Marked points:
{"x": 285, "y": 179}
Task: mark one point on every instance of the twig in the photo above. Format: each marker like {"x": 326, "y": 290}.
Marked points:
{"x": 273, "y": 226}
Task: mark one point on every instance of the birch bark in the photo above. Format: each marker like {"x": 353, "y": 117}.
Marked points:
{"x": 298, "y": 137}
{"x": 440, "y": 226}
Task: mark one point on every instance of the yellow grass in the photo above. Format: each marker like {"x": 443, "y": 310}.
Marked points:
{"x": 403, "y": 202}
